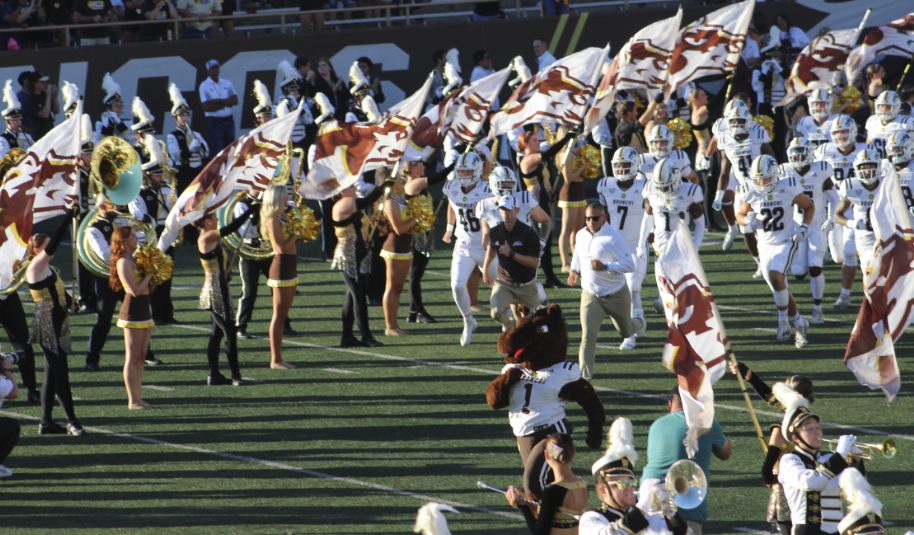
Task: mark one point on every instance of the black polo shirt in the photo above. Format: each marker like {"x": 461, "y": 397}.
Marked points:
{"x": 522, "y": 240}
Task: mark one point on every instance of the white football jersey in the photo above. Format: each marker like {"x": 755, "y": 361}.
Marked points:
{"x": 862, "y": 199}
{"x": 741, "y": 152}
{"x": 669, "y": 214}
{"x": 812, "y": 183}
{"x": 535, "y": 401}
{"x": 816, "y": 134}
{"x": 624, "y": 207}
{"x": 487, "y": 209}
{"x": 904, "y": 179}
{"x": 773, "y": 210}
{"x": 842, "y": 164}
{"x": 878, "y": 133}
{"x": 678, "y": 157}
{"x": 469, "y": 228}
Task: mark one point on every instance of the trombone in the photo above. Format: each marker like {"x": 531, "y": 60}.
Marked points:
{"x": 887, "y": 448}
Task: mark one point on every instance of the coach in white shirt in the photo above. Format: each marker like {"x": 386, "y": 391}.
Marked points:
{"x": 601, "y": 259}
{"x": 218, "y": 96}
{"x": 543, "y": 57}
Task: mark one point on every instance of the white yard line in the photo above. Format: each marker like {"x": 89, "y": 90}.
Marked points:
{"x": 335, "y": 370}
{"x": 162, "y": 388}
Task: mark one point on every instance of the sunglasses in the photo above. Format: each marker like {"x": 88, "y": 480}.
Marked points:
{"x": 593, "y": 217}
{"x": 623, "y": 484}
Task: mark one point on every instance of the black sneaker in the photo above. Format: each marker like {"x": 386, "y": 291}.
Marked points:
{"x": 93, "y": 367}
{"x": 51, "y": 428}
{"x": 350, "y": 341}
{"x": 371, "y": 342}
{"x": 425, "y": 317}
{"x": 218, "y": 380}
{"x": 152, "y": 361}
{"x": 237, "y": 381}
{"x": 243, "y": 334}
{"x": 34, "y": 397}
{"x": 289, "y": 331}
{"x": 413, "y": 317}
{"x": 74, "y": 429}
{"x": 554, "y": 283}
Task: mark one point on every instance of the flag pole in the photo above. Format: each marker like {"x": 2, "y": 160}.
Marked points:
{"x": 903, "y": 76}
{"x": 700, "y": 271}
{"x": 75, "y": 230}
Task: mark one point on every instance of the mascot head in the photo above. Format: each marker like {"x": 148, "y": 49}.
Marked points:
{"x": 540, "y": 339}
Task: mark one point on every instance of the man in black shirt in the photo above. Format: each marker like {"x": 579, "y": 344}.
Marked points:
{"x": 518, "y": 249}
{"x": 90, "y": 12}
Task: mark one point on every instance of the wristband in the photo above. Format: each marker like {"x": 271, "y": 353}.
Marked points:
{"x": 450, "y": 227}
{"x": 511, "y": 254}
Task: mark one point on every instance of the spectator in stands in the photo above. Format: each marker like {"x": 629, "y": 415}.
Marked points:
{"x": 42, "y": 104}
{"x": 308, "y": 19}
{"x": 133, "y": 12}
{"x": 12, "y": 15}
{"x": 340, "y": 4}
{"x": 487, "y": 11}
{"x": 303, "y": 66}
{"x": 59, "y": 14}
{"x": 751, "y": 51}
{"x": 118, "y": 13}
{"x": 549, "y": 8}
{"x": 218, "y": 96}
{"x": 201, "y": 10}
{"x": 366, "y": 65}
{"x": 790, "y": 34}
{"x": 543, "y": 57}
{"x": 158, "y": 10}
{"x": 874, "y": 75}
{"x": 23, "y": 96}
{"x": 9, "y": 427}
{"x": 439, "y": 58}
{"x": 228, "y": 25}
{"x": 331, "y": 85}
{"x": 92, "y": 12}
{"x": 37, "y": 17}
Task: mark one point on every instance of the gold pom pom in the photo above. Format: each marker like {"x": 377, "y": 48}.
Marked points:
{"x": 422, "y": 209}
{"x": 682, "y": 132}
{"x": 850, "y": 95}
{"x": 590, "y": 157}
{"x": 301, "y": 223}
{"x": 150, "y": 260}
{"x": 766, "y": 122}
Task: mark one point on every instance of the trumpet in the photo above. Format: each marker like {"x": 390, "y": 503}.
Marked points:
{"x": 887, "y": 448}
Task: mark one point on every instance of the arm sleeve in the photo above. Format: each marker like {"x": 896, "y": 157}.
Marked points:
{"x": 553, "y": 498}
{"x": 99, "y": 245}
{"x": 374, "y": 195}
{"x": 576, "y": 261}
{"x": 793, "y": 473}
{"x": 137, "y": 208}
{"x": 554, "y": 150}
{"x": 832, "y": 198}
{"x": 647, "y": 226}
{"x": 440, "y": 176}
{"x": 761, "y": 388}
{"x": 699, "y": 231}
{"x": 624, "y": 263}
{"x": 771, "y": 458}
{"x": 173, "y": 149}
{"x": 602, "y": 135}
{"x": 235, "y": 224}
{"x": 528, "y": 516}
{"x": 58, "y": 234}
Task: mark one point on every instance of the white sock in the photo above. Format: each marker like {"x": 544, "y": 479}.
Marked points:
{"x": 782, "y": 314}
{"x": 845, "y": 291}
{"x": 757, "y": 260}
{"x": 462, "y": 298}
{"x": 782, "y": 299}
{"x": 636, "y": 300}
{"x": 797, "y": 320}
{"x": 818, "y": 286}
{"x": 817, "y": 307}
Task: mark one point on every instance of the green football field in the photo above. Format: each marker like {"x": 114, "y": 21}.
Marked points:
{"x": 354, "y": 441}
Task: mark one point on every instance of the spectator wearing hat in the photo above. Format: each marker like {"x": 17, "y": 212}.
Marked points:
{"x": 23, "y": 95}
{"x": 110, "y": 123}
{"x": 92, "y": 12}
{"x": 197, "y": 12}
{"x": 218, "y": 96}
{"x": 13, "y": 137}
{"x": 41, "y": 105}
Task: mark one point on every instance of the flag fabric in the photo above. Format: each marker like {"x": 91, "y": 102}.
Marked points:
{"x": 711, "y": 45}
{"x": 474, "y": 104}
{"x": 819, "y": 64}
{"x": 38, "y": 188}
{"x": 248, "y": 163}
{"x": 431, "y": 129}
{"x": 560, "y": 93}
{"x": 697, "y": 345}
{"x": 343, "y": 151}
{"x": 893, "y": 39}
{"x": 888, "y": 285}
{"x": 643, "y": 63}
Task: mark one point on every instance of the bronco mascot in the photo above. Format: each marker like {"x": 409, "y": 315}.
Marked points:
{"x": 536, "y": 384}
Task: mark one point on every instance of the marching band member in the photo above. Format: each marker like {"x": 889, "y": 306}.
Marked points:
{"x": 14, "y": 136}
{"x": 397, "y": 254}
{"x": 886, "y": 121}
{"x": 283, "y": 277}
{"x": 110, "y": 123}
{"x": 86, "y": 280}
{"x": 840, "y": 152}
{"x": 857, "y": 193}
{"x": 187, "y": 150}
{"x": 614, "y": 477}
{"x": 51, "y": 328}
{"x": 263, "y": 112}
{"x": 815, "y": 178}
{"x": 900, "y": 153}
{"x": 289, "y": 83}
{"x": 622, "y": 194}
{"x": 70, "y": 98}
{"x": 363, "y": 106}
{"x": 772, "y": 199}
{"x": 566, "y": 494}
{"x": 808, "y": 476}
{"x": 816, "y": 127}
{"x": 864, "y": 515}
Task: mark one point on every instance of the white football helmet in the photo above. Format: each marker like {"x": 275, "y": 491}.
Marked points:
{"x": 735, "y": 103}
{"x": 502, "y": 181}
{"x": 866, "y": 166}
{"x": 738, "y": 120}
{"x": 667, "y": 178}
{"x": 468, "y": 169}
{"x": 800, "y": 152}
{"x": 764, "y": 168}
{"x": 843, "y": 131}
{"x": 899, "y": 148}
{"x": 888, "y": 106}
{"x": 660, "y": 141}
{"x": 820, "y": 103}
{"x": 625, "y": 163}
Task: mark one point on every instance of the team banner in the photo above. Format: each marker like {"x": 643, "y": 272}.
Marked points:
{"x": 711, "y": 45}
{"x": 38, "y": 187}
{"x": 888, "y": 284}
{"x": 474, "y": 104}
{"x": 643, "y": 63}
{"x": 248, "y": 163}
{"x": 343, "y": 151}
{"x": 431, "y": 129}
{"x": 696, "y": 346}
{"x": 819, "y": 65}
{"x": 559, "y": 93}
{"x": 894, "y": 39}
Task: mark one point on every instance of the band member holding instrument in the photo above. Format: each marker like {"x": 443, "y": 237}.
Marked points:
{"x": 86, "y": 280}
{"x": 187, "y": 149}
{"x": 864, "y": 515}
{"x": 283, "y": 270}
{"x": 51, "y": 329}
{"x": 136, "y": 315}
{"x": 111, "y": 123}
{"x": 13, "y": 137}
{"x": 565, "y": 496}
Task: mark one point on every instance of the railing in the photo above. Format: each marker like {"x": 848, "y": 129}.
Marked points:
{"x": 387, "y": 19}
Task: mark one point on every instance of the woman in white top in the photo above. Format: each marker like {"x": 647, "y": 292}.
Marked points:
{"x": 790, "y": 34}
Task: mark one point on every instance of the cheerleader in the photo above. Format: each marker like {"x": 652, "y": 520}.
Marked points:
{"x": 397, "y": 253}
{"x": 51, "y": 329}
{"x": 573, "y": 202}
{"x": 136, "y": 314}
{"x": 283, "y": 276}
{"x": 215, "y": 295}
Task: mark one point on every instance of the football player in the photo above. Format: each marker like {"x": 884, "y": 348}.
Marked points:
{"x": 858, "y": 193}
{"x": 900, "y": 152}
{"x": 886, "y": 121}
{"x": 816, "y": 127}
{"x": 660, "y": 144}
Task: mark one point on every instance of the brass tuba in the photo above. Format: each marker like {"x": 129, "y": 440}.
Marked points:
{"x": 115, "y": 167}
{"x": 89, "y": 258}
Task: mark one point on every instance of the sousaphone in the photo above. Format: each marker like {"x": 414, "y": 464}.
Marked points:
{"x": 115, "y": 166}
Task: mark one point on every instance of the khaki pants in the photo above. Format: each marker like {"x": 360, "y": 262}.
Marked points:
{"x": 593, "y": 310}
{"x": 504, "y": 295}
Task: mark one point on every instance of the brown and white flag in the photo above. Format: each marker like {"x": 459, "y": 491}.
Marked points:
{"x": 819, "y": 64}
{"x": 893, "y": 39}
{"x": 888, "y": 286}
{"x": 711, "y": 45}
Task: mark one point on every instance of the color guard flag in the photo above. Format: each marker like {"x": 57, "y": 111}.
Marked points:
{"x": 819, "y": 65}
{"x": 893, "y": 39}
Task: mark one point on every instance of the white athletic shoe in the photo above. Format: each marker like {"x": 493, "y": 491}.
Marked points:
{"x": 658, "y": 305}
{"x": 5, "y": 472}
{"x": 728, "y": 240}
{"x": 628, "y": 343}
{"x": 638, "y": 316}
{"x": 469, "y": 325}
{"x": 783, "y": 329}
{"x": 817, "y": 316}
{"x": 758, "y": 273}
{"x": 843, "y": 301}
{"x": 802, "y": 329}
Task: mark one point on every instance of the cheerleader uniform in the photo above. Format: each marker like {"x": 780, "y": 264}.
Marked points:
{"x": 399, "y": 246}
{"x": 284, "y": 269}
{"x": 136, "y": 312}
